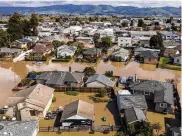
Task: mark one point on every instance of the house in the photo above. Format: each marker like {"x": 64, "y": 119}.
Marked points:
{"x": 19, "y": 128}
{"x": 65, "y": 51}
{"x": 161, "y": 93}
{"x": 60, "y": 79}
{"x": 9, "y": 52}
{"x": 122, "y": 53}
{"x": 144, "y": 41}
{"x": 148, "y": 57}
{"x": 128, "y": 101}
{"x": 42, "y": 48}
{"x": 113, "y": 49}
{"x": 134, "y": 115}
{"x": 138, "y": 50}
{"x": 171, "y": 52}
{"x": 78, "y": 113}
{"x": 100, "y": 81}
{"x": 85, "y": 39}
{"x": 124, "y": 41}
{"x": 32, "y": 102}
{"x": 177, "y": 59}
{"x": 142, "y": 33}
{"x": 92, "y": 52}
{"x": 168, "y": 35}
{"x": 34, "y": 39}
{"x": 21, "y": 43}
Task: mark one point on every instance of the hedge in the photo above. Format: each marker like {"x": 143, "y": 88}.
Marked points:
{"x": 73, "y": 93}
{"x": 61, "y": 60}
{"x": 172, "y": 67}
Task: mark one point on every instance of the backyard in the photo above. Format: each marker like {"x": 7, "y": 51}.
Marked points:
{"x": 109, "y": 110}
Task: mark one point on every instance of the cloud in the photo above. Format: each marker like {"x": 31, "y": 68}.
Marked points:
{"x": 136, "y": 3}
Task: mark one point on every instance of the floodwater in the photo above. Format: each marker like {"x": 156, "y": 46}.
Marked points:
{"x": 11, "y": 73}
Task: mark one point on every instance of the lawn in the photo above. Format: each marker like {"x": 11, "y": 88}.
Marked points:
{"x": 74, "y": 134}
{"x": 163, "y": 63}
{"x": 154, "y": 117}
{"x": 148, "y": 67}
{"x": 101, "y": 109}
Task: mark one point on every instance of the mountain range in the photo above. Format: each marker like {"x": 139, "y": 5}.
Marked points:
{"x": 94, "y": 10}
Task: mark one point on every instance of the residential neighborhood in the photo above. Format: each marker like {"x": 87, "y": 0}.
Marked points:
{"x": 87, "y": 74}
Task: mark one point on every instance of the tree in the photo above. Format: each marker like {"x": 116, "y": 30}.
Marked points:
{"x": 132, "y": 23}
{"x": 156, "y": 41}
{"x": 119, "y": 134}
{"x": 3, "y": 38}
{"x": 173, "y": 27}
{"x": 96, "y": 37}
{"x": 34, "y": 21}
{"x": 106, "y": 42}
{"x": 124, "y": 24}
{"x": 102, "y": 92}
{"x": 141, "y": 23}
{"x": 57, "y": 43}
{"x": 131, "y": 128}
{"x": 109, "y": 73}
{"x": 157, "y": 126}
{"x": 26, "y": 27}
{"x": 89, "y": 71}
{"x": 14, "y": 27}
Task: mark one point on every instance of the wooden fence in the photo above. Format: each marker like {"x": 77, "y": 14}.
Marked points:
{"x": 82, "y": 89}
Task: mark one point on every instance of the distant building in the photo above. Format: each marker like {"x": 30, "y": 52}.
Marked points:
{"x": 124, "y": 41}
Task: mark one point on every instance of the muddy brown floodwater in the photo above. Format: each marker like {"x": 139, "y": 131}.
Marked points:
{"x": 11, "y": 73}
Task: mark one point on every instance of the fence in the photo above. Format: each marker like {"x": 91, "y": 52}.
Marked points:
{"x": 79, "y": 128}
{"x": 82, "y": 89}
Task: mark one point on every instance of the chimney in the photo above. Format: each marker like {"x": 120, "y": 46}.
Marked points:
{"x": 69, "y": 68}
{"x": 135, "y": 78}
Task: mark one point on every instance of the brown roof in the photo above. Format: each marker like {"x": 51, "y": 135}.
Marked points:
{"x": 170, "y": 51}
{"x": 42, "y": 48}
{"x": 80, "y": 108}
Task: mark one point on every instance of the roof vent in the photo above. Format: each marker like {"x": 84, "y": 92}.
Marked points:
{"x": 1, "y": 127}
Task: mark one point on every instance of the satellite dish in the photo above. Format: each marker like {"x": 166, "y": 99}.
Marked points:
{"x": 13, "y": 119}
{"x": 4, "y": 117}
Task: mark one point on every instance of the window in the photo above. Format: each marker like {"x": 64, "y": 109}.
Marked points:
{"x": 164, "y": 105}
{"x": 146, "y": 93}
{"x": 177, "y": 60}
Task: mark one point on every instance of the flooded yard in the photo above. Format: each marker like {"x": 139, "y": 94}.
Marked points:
{"x": 11, "y": 73}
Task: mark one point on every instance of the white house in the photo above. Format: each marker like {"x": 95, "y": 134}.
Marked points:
{"x": 100, "y": 81}
{"x": 65, "y": 50}
{"x": 142, "y": 33}
{"x": 123, "y": 53}
{"x": 177, "y": 60}
{"x": 169, "y": 35}
{"x": 124, "y": 41}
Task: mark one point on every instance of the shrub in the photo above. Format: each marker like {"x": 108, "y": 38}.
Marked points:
{"x": 73, "y": 93}
{"x": 109, "y": 73}
{"x": 102, "y": 93}
{"x": 98, "y": 100}
{"x": 54, "y": 99}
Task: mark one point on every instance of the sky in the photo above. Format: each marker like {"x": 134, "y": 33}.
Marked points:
{"x": 136, "y": 3}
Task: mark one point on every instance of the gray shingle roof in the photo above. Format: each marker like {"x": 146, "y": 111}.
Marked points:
{"x": 60, "y": 77}
{"x": 18, "y": 128}
{"x": 92, "y": 51}
{"x": 129, "y": 101}
{"x": 102, "y": 79}
{"x": 149, "y": 54}
{"x": 163, "y": 91}
{"x": 133, "y": 115}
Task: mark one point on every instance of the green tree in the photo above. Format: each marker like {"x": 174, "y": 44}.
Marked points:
{"x": 109, "y": 73}
{"x": 3, "y": 38}
{"x": 106, "y": 42}
{"x": 26, "y": 27}
{"x": 96, "y": 37}
{"x": 57, "y": 43}
{"x": 132, "y": 23}
{"x": 141, "y": 23}
{"x": 124, "y": 24}
{"x": 15, "y": 29}
{"x": 89, "y": 71}
{"x": 157, "y": 127}
{"x": 156, "y": 41}
{"x": 102, "y": 92}
{"x": 34, "y": 21}
{"x": 119, "y": 134}
{"x": 131, "y": 128}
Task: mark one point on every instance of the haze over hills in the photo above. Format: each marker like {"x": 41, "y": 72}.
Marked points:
{"x": 94, "y": 9}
